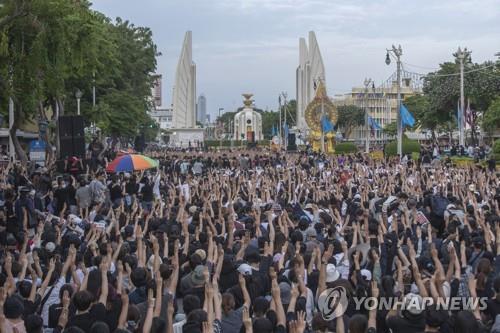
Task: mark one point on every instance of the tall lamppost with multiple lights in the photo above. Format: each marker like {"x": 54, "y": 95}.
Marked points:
{"x": 462, "y": 56}
{"x": 397, "y": 52}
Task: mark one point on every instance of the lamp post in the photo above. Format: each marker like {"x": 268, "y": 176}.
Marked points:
{"x": 285, "y": 104}
{"x": 462, "y": 56}
{"x": 78, "y": 95}
{"x": 398, "y": 52}
{"x": 367, "y": 82}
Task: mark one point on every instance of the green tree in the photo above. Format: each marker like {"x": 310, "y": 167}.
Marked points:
{"x": 349, "y": 117}
{"x": 48, "y": 49}
{"x": 442, "y": 90}
{"x": 425, "y": 117}
{"x": 491, "y": 119}
{"x": 391, "y": 129}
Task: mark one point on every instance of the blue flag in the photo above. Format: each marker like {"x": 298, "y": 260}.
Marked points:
{"x": 286, "y": 129}
{"x": 406, "y": 117}
{"x": 373, "y": 124}
{"x": 326, "y": 124}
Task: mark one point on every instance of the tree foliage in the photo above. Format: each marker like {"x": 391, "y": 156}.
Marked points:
{"x": 391, "y": 129}
{"x": 349, "y": 117}
{"x": 49, "y": 49}
{"x": 437, "y": 109}
{"x": 491, "y": 119}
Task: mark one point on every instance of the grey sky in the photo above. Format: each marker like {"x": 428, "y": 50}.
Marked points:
{"x": 252, "y": 45}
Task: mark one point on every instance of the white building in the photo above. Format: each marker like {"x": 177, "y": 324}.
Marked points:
{"x": 163, "y": 117}
{"x": 310, "y": 70}
{"x": 381, "y": 103}
{"x": 201, "y": 109}
{"x": 248, "y": 122}
{"x": 184, "y": 95}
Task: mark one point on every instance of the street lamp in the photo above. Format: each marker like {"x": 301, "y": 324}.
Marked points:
{"x": 78, "y": 95}
{"x": 462, "y": 56}
{"x": 398, "y": 52}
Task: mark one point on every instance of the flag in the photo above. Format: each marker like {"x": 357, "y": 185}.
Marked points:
{"x": 326, "y": 124}
{"x": 274, "y": 131}
{"x": 406, "y": 117}
{"x": 373, "y": 124}
{"x": 286, "y": 129}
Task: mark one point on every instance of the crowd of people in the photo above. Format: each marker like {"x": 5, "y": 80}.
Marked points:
{"x": 249, "y": 241}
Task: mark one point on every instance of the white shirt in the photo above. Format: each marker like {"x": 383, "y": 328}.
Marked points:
{"x": 178, "y": 326}
{"x": 53, "y": 299}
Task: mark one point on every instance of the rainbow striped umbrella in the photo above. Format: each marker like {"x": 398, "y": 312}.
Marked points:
{"x": 132, "y": 162}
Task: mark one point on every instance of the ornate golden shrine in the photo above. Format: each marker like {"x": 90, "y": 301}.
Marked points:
{"x": 313, "y": 119}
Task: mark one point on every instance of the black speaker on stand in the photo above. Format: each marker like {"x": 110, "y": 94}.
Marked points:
{"x": 291, "y": 146}
{"x": 71, "y": 136}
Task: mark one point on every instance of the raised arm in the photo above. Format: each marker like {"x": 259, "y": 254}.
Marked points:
{"x": 104, "y": 282}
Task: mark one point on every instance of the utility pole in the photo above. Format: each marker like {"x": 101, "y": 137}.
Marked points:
{"x": 285, "y": 103}
{"x": 12, "y": 152}
{"x": 462, "y": 56}
{"x": 398, "y": 52}
{"x": 367, "y": 82}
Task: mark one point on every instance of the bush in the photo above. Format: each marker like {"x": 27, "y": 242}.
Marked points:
{"x": 409, "y": 147}
{"x": 462, "y": 161}
{"x": 346, "y": 148}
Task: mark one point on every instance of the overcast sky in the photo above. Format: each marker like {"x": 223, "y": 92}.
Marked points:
{"x": 252, "y": 45}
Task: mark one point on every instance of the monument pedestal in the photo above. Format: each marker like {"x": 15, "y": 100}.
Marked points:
{"x": 186, "y": 137}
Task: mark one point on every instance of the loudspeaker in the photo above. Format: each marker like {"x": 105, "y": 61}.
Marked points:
{"x": 140, "y": 143}
{"x": 65, "y": 147}
{"x": 78, "y": 126}
{"x": 65, "y": 127}
{"x": 291, "y": 146}
{"x": 71, "y": 136}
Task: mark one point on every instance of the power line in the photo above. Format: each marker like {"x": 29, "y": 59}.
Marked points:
{"x": 455, "y": 74}
{"x": 423, "y": 67}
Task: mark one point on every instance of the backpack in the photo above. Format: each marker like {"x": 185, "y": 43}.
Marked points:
{"x": 438, "y": 205}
